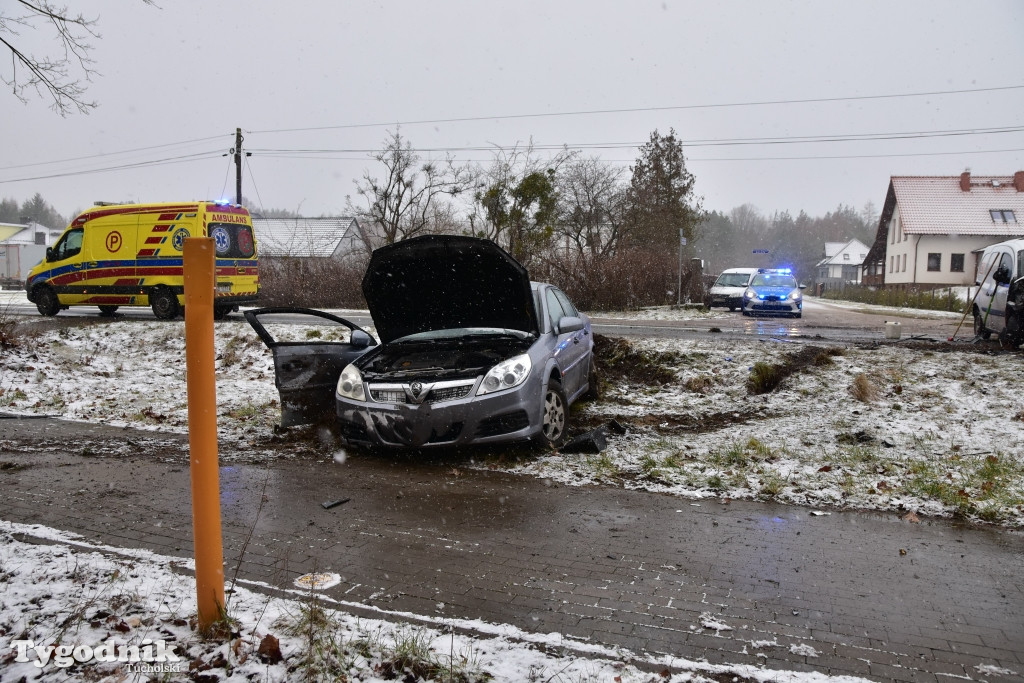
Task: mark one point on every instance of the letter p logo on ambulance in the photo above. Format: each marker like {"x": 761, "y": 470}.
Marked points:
{"x": 178, "y": 238}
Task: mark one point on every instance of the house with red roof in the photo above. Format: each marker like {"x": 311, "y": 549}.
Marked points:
{"x": 933, "y": 228}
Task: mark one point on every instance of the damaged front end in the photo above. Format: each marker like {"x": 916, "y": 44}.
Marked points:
{"x": 437, "y": 390}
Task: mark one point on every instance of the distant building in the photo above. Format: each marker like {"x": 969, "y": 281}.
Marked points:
{"x": 841, "y": 265}
{"x": 933, "y": 228}
{"x": 333, "y": 238}
{"x": 22, "y": 245}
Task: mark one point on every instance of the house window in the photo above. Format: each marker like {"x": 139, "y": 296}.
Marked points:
{"x": 846, "y": 257}
{"x": 892, "y": 263}
{"x": 904, "y": 263}
{"x": 956, "y": 263}
{"x": 1002, "y": 216}
{"x": 934, "y": 262}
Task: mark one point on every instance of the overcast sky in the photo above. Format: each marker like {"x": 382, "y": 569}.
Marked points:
{"x": 324, "y": 75}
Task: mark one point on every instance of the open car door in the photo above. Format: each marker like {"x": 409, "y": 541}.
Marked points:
{"x": 310, "y": 350}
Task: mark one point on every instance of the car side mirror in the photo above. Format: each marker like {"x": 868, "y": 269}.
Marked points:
{"x": 360, "y": 340}
{"x": 803, "y": 286}
{"x": 1002, "y": 275}
{"x": 49, "y": 253}
{"x": 569, "y": 323}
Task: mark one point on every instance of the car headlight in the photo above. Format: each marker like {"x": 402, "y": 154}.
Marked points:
{"x": 506, "y": 374}
{"x": 350, "y": 384}
{"x": 749, "y": 294}
{"x": 795, "y": 295}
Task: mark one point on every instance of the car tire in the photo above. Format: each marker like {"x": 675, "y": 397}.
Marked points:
{"x": 165, "y": 303}
{"x": 46, "y": 302}
{"x": 732, "y": 309}
{"x": 555, "y": 416}
{"x": 798, "y": 314}
{"x": 979, "y": 328}
{"x": 593, "y": 392}
{"x": 107, "y": 311}
{"x": 746, "y": 313}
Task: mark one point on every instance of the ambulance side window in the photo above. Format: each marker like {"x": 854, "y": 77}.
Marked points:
{"x": 69, "y": 245}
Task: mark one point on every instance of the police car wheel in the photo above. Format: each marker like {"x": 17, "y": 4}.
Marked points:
{"x": 46, "y": 302}
{"x": 164, "y": 303}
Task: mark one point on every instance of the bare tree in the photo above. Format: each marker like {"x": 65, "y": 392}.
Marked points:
{"x": 516, "y": 202}
{"x": 591, "y": 196}
{"x": 50, "y": 74}
{"x": 408, "y": 200}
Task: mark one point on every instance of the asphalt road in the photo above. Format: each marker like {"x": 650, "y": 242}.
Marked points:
{"x": 740, "y": 582}
{"x": 821, "y": 320}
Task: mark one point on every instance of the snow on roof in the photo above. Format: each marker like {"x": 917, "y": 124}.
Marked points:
{"x": 935, "y": 205}
{"x": 834, "y": 252}
{"x": 323, "y": 237}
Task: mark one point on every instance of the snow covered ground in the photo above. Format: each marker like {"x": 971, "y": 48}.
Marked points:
{"x": 915, "y": 431}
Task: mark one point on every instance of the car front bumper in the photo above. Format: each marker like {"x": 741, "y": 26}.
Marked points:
{"x": 772, "y": 307}
{"x": 510, "y": 415}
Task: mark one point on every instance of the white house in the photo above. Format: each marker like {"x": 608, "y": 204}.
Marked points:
{"x": 842, "y": 263}
{"x": 333, "y": 238}
{"x": 21, "y": 247}
{"x": 932, "y": 228}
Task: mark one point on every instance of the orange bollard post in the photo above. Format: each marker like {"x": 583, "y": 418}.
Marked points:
{"x": 202, "y": 428}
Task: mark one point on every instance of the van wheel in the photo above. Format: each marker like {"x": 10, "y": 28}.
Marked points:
{"x": 979, "y": 329}
{"x": 46, "y": 302}
{"x": 107, "y": 311}
{"x": 164, "y": 303}
{"x": 221, "y": 312}
{"x": 555, "y": 417}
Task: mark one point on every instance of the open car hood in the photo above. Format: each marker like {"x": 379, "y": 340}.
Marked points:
{"x": 440, "y": 282}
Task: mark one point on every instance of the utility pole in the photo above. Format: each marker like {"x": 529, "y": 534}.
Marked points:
{"x": 238, "y": 165}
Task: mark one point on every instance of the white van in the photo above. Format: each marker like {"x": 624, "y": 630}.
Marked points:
{"x": 999, "y": 306}
{"x": 728, "y": 288}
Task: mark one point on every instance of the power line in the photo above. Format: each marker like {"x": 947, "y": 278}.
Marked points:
{"x": 141, "y": 164}
{"x": 633, "y": 110}
{"x": 109, "y": 154}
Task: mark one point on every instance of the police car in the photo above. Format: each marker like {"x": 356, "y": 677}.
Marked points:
{"x": 773, "y": 291}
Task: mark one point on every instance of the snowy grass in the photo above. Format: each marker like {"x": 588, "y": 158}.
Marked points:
{"x": 886, "y": 428}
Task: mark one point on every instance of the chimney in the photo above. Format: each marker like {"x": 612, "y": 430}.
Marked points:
{"x": 965, "y": 181}
{"x": 1018, "y": 181}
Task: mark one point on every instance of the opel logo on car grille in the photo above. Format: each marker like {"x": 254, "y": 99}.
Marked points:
{"x": 416, "y": 388}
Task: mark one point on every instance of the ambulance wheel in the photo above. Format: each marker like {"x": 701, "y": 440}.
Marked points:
{"x": 46, "y": 302}
{"x": 107, "y": 311}
{"x": 164, "y": 303}
{"x": 221, "y": 312}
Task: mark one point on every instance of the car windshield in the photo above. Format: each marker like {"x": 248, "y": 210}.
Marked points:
{"x": 773, "y": 280}
{"x": 459, "y": 332}
{"x": 732, "y": 280}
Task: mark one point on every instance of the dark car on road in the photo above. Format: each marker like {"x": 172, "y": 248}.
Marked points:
{"x": 471, "y": 352}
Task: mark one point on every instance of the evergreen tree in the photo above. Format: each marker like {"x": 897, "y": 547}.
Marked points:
{"x": 660, "y": 199}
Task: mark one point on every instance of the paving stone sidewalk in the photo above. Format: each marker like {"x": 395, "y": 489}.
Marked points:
{"x": 844, "y": 593}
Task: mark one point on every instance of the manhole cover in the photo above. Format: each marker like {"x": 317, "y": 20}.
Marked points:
{"x": 317, "y": 581}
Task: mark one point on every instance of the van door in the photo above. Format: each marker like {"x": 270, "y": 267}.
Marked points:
{"x": 110, "y": 278}
{"x": 66, "y": 267}
{"x": 997, "y": 269}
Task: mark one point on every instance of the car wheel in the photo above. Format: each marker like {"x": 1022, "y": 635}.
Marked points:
{"x": 46, "y": 302}
{"x": 107, "y": 310}
{"x": 798, "y": 314}
{"x": 732, "y": 308}
{"x": 165, "y": 303}
{"x": 593, "y": 382}
{"x": 979, "y": 328}
{"x": 556, "y": 415}
{"x": 746, "y": 313}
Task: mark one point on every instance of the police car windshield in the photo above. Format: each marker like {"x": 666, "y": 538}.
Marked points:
{"x": 773, "y": 280}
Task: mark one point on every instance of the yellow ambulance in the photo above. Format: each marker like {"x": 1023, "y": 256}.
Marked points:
{"x": 130, "y": 255}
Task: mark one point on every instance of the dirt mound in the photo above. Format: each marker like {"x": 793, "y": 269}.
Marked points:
{"x": 618, "y": 358}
